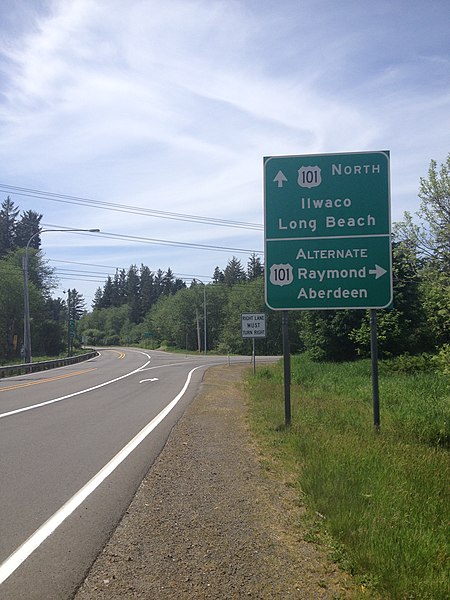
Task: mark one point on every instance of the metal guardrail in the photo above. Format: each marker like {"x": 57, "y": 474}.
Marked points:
{"x": 9, "y": 370}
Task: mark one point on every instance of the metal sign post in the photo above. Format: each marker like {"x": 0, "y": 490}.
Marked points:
{"x": 253, "y": 356}
{"x": 287, "y": 368}
{"x": 374, "y": 360}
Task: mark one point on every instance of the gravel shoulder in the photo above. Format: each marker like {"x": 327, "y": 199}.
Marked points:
{"x": 209, "y": 522}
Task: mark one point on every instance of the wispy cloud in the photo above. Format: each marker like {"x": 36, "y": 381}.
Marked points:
{"x": 173, "y": 105}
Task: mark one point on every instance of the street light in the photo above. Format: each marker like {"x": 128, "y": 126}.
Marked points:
{"x": 26, "y": 301}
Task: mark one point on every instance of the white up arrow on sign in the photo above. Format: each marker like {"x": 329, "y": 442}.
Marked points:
{"x": 280, "y": 178}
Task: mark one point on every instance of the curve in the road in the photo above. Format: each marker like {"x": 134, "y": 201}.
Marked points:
{"x": 44, "y": 531}
{"x": 95, "y": 387}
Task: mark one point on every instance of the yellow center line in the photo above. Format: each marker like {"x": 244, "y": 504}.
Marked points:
{"x": 119, "y": 352}
{"x": 56, "y": 378}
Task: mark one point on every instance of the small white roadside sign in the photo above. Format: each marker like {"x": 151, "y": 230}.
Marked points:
{"x": 253, "y": 325}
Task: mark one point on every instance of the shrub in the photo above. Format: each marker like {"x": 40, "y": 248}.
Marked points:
{"x": 407, "y": 363}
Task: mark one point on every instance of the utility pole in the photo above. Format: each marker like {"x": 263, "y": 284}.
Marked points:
{"x": 26, "y": 320}
{"x": 204, "y": 317}
{"x": 69, "y": 340}
{"x": 199, "y": 342}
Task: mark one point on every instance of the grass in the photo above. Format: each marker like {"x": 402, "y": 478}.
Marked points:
{"x": 383, "y": 498}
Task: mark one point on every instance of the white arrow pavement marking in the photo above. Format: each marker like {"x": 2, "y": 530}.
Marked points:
{"x": 152, "y": 379}
{"x": 280, "y": 178}
{"x": 378, "y": 271}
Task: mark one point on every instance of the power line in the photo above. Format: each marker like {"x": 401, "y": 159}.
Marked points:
{"x": 62, "y": 274}
{"x": 69, "y": 272}
{"x": 145, "y": 240}
{"x": 81, "y": 271}
{"x": 64, "y": 278}
{"x": 61, "y": 271}
{"x": 139, "y": 210}
{"x": 73, "y": 262}
{"x": 189, "y": 276}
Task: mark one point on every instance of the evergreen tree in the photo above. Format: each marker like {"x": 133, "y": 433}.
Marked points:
{"x": 108, "y": 293}
{"x": 218, "y": 276}
{"x": 178, "y": 285}
{"x": 115, "y": 290}
{"x": 122, "y": 288}
{"x": 234, "y": 272}
{"x": 97, "y": 302}
{"x": 77, "y": 307}
{"x": 255, "y": 268}
{"x": 57, "y": 310}
{"x": 28, "y": 225}
{"x": 147, "y": 292}
{"x": 8, "y": 224}
{"x": 50, "y": 330}
{"x": 158, "y": 283}
{"x": 133, "y": 293}
{"x": 168, "y": 282}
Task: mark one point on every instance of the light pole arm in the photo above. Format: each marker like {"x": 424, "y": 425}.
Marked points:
{"x": 32, "y": 238}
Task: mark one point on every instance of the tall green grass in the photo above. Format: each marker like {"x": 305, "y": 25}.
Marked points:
{"x": 384, "y": 497}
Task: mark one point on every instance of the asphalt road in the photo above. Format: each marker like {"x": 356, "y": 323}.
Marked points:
{"x": 75, "y": 443}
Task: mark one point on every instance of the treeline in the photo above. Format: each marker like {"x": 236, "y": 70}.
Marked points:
{"x": 177, "y": 318}
{"x": 419, "y": 321}
{"x": 141, "y": 288}
{"x": 48, "y": 315}
{"x": 155, "y": 309}
{"x": 136, "y": 288}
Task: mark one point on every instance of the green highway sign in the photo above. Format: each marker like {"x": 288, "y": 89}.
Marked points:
{"x": 72, "y": 328}
{"x": 327, "y": 231}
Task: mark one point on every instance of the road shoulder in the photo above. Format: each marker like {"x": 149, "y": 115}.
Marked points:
{"x": 209, "y": 522}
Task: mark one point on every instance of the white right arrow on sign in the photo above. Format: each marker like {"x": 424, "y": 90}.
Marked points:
{"x": 378, "y": 271}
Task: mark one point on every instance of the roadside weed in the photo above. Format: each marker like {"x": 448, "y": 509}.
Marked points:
{"x": 383, "y": 497}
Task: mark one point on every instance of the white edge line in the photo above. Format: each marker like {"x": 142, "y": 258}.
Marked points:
{"x": 14, "y": 561}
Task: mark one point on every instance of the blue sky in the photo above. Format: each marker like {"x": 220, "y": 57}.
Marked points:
{"x": 172, "y": 105}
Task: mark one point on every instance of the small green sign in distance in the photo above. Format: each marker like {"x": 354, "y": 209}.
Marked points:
{"x": 327, "y": 231}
